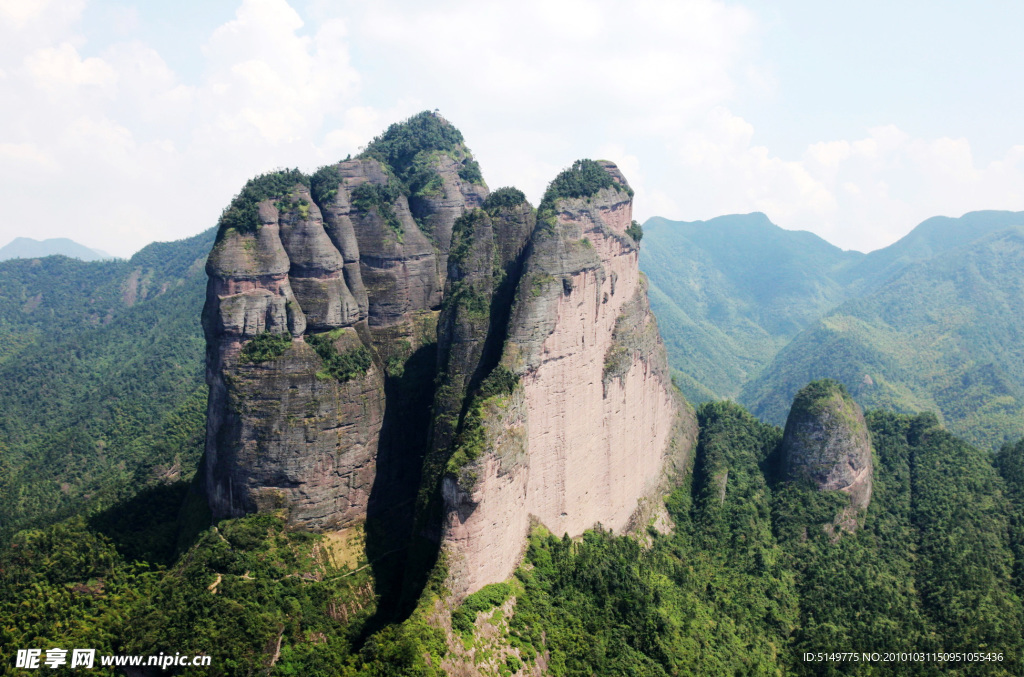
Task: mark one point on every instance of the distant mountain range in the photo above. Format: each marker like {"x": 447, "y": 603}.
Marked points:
{"x": 28, "y": 248}
{"x": 752, "y": 312}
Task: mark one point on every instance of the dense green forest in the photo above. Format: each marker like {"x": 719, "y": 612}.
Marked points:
{"x": 103, "y": 384}
{"x": 731, "y": 292}
{"x": 749, "y": 579}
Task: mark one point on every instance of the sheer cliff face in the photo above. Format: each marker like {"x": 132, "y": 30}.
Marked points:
{"x": 585, "y": 433}
{"x": 339, "y": 267}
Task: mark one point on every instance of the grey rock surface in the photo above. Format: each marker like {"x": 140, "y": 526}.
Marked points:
{"x": 280, "y": 433}
{"x": 826, "y": 442}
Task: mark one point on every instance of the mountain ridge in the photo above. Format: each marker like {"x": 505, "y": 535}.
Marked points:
{"x": 101, "y": 361}
{"x": 29, "y": 248}
{"x": 747, "y": 286}
{"x": 396, "y": 350}
{"x": 330, "y": 296}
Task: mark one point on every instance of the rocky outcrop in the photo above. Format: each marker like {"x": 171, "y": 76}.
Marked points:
{"x": 397, "y": 263}
{"x": 338, "y": 264}
{"x": 577, "y": 424}
{"x": 316, "y": 265}
{"x": 485, "y": 263}
{"x": 826, "y": 444}
{"x": 438, "y": 204}
{"x": 279, "y": 434}
{"x": 293, "y": 438}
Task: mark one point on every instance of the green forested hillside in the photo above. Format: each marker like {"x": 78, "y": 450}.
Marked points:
{"x": 1010, "y": 462}
{"x": 942, "y": 336}
{"x": 747, "y": 582}
{"x": 751, "y": 312}
{"x": 732, "y": 291}
{"x": 103, "y": 385}
{"x": 104, "y": 412}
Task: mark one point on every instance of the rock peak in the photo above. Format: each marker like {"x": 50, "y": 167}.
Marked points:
{"x": 826, "y": 442}
{"x": 579, "y": 422}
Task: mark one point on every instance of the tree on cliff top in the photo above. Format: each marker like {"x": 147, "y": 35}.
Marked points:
{"x": 583, "y": 179}
{"x": 408, "y": 148}
{"x": 242, "y": 213}
{"x": 402, "y": 141}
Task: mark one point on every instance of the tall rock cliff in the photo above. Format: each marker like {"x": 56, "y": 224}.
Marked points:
{"x": 388, "y": 342}
{"x": 826, "y": 444}
{"x": 321, "y": 305}
{"x": 579, "y": 423}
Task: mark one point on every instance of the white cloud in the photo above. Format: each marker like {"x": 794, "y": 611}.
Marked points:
{"x": 533, "y": 87}
{"x": 148, "y": 90}
{"x": 828, "y": 154}
{"x": 566, "y": 77}
{"x": 561, "y": 57}
{"x": 858, "y": 194}
{"x": 20, "y": 156}
{"x": 54, "y": 68}
{"x": 26, "y": 25}
{"x": 655, "y": 201}
{"x": 142, "y": 152}
{"x": 142, "y": 155}
{"x": 20, "y": 12}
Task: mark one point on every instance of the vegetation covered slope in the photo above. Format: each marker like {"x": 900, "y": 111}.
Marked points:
{"x": 732, "y": 291}
{"x": 102, "y": 366}
{"x": 943, "y": 336}
{"x": 752, "y": 578}
{"x": 752, "y": 312}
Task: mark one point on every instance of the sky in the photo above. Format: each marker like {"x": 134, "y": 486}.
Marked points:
{"x": 125, "y": 123}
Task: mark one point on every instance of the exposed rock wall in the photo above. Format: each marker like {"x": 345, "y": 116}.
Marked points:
{"x": 398, "y": 264}
{"x": 316, "y": 269}
{"x": 487, "y": 515}
{"x": 585, "y": 434}
{"x": 438, "y": 209}
{"x": 341, "y": 253}
{"x": 826, "y": 443}
{"x": 279, "y": 435}
{"x": 484, "y": 265}
{"x": 292, "y": 439}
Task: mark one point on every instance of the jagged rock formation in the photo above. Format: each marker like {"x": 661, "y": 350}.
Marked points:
{"x": 826, "y": 443}
{"x": 548, "y": 389}
{"x": 339, "y": 257}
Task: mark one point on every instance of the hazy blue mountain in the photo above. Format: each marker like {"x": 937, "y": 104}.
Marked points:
{"x": 944, "y": 335}
{"x": 730, "y": 292}
{"x": 927, "y": 240}
{"x": 28, "y": 248}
